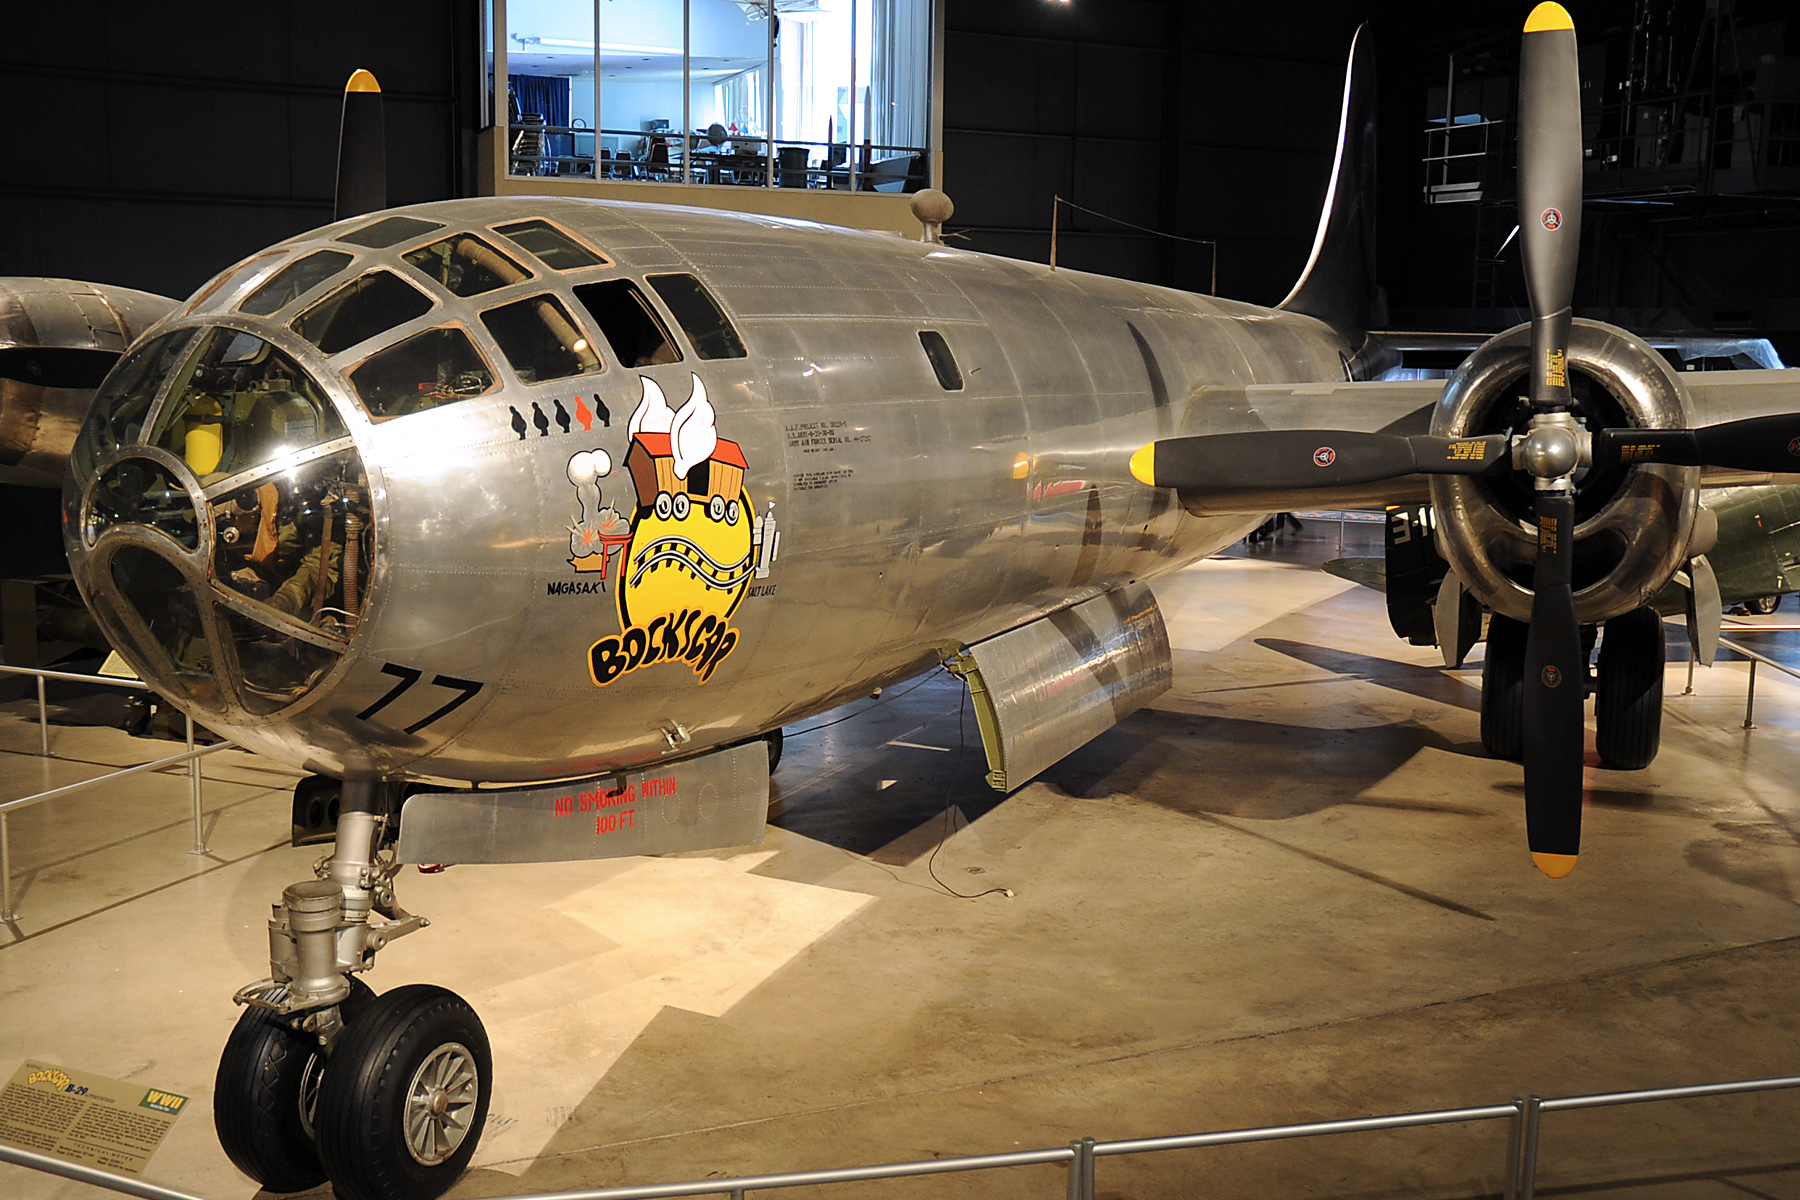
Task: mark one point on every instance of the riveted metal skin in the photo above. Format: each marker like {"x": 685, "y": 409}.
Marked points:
{"x": 43, "y": 401}
{"x": 912, "y": 521}
{"x": 1650, "y": 518}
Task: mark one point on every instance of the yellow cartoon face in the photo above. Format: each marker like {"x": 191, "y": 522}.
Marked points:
{"x": 696, "y": 542}
{"x": 688, "y": 552}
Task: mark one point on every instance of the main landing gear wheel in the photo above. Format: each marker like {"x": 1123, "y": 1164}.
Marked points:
{"x": 1762, "y": 606}
{"x": 1503, "y": 689}
{"x": 404, "y": 1102}
{"x": 1628, "y": 704}
{"x": 264, "y": 1094}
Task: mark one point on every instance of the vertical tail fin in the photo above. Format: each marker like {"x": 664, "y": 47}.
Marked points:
{"x": 1338, "y": 283}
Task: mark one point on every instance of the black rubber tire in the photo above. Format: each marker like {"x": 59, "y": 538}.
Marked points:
{"x": 1628, "y": 703}
{"x": 1762, "y": 606}
{"x": 256, "y": 1097}
{"x": 775, "y": 740}
{"x": 1503, "y": 689}
{"x": 362, "y": 1141}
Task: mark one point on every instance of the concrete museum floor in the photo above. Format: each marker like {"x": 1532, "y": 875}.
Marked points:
{"x": 1293, "y": 889}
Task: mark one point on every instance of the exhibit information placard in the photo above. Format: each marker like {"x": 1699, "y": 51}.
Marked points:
{"x": 84, "y": 1118}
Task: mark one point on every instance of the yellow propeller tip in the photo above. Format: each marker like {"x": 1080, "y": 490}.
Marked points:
{"x": 1143, "y": 465}
{"x": 1554, "y": 865}
{"x": 362, "y": 81}
{"x": 1547, "y": 16}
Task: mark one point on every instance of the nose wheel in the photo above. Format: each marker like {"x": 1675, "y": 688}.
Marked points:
{"x": 266, "y": 1093}
{"x": 403, "y": 1104}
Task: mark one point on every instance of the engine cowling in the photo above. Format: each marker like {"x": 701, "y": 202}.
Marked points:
{"x": 1634, "y": 524}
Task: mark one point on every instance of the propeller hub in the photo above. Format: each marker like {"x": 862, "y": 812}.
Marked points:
{"x": 1553, "y": 449}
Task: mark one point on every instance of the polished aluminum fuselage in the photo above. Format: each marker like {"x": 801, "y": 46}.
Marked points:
{"x": 912, "y": 520}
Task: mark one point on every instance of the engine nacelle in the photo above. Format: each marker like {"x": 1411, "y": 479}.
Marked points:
{"x": 1633, "y": 524}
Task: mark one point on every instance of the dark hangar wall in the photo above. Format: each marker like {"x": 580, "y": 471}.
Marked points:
{"x": 1218, "y": 121}
{"x": 1202, "y": 119}
{"x": 150, "y": 145}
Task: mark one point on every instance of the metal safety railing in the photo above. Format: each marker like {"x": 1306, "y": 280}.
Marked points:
{"x": 1523, "y": 1114}
{"x": 1741, "y": 627}
{"x": 192, "y": 757}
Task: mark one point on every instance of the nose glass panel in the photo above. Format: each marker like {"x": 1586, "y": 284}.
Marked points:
{"x": 123, "y": 401}
{"x": 238, "y": 403}
{"x": 144, "y": 492}
{"x": 151, "y": 588}
{"x": 299, "y": 544}
{"x": 274, "y": 668}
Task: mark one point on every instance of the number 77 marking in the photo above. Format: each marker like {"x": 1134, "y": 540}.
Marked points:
{"x": 409, "y": 676}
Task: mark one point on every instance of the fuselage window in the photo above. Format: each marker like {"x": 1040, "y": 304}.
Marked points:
{"x": 389, "y": 232}
{"x": 631, "y": 326}
{"x": 949, "y": 375}
{"x": 294, "y": 281}
{"x": 438, "y": 366}
{"x": 238, "y": 403}
{"x": 540, "y": 340}
{"x": 554, "y": 248}
{"x": 699, "y": 315}
{"x": 465, "y": 265}
{"x": 357, "y": 312}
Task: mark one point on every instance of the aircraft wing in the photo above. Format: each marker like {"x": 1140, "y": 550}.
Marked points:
{"x": 1363, "y": 407}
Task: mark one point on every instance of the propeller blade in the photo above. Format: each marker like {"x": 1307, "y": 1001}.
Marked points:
{"x": 1555, "y": 687}
{"x": 1284, "y": 459}
{"x": 1549, "y": 192}
{"x": 362, "y": 149}
{"x": 1755, "y": 444}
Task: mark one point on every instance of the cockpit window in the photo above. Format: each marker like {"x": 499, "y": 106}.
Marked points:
{"x": 233, "y": 277}
{"x": 123, "y": 401}
{"x": 554, "y": 248}
{"x": 464, "y": 265}
{"x": 359, "y": 310}
{"x": 540, "y": 339}
{"x": 631, "y": 326}
{"x": 388, "y": 232}
{"x": 238, "y": 403}
{"x": 438, "y": 366}
{"x": 294, "y": 281}
{"x": 699, "y": 315}
{"x": 297, "y": 545}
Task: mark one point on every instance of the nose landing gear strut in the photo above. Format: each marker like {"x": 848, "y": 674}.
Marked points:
{"x": 384, "y": 1095}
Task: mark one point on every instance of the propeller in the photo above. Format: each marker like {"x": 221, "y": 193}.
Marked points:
{"x": 1552, "y": 449}
{"x": 362, "y": 149}
{"x": 1550, "y": 221}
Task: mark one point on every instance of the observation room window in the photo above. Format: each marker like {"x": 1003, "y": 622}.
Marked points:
{"x": 464, "y": 265}
{"x": 949, "y": 375}
{"x": 540, "y": 340}
{"x": 361, "y": 309}
{"x": 699, "y": 316}
{"x": 116, "y": 417}
{"x": 389, "y": 232}
{"x": 238, "y": 403}
{"x": 294, "y": 281}
{"x": 636, "y": 334}
{"x": 438, "y": 366}
{"x": 831, "y": 95}
{"x": 554, "y": 248}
